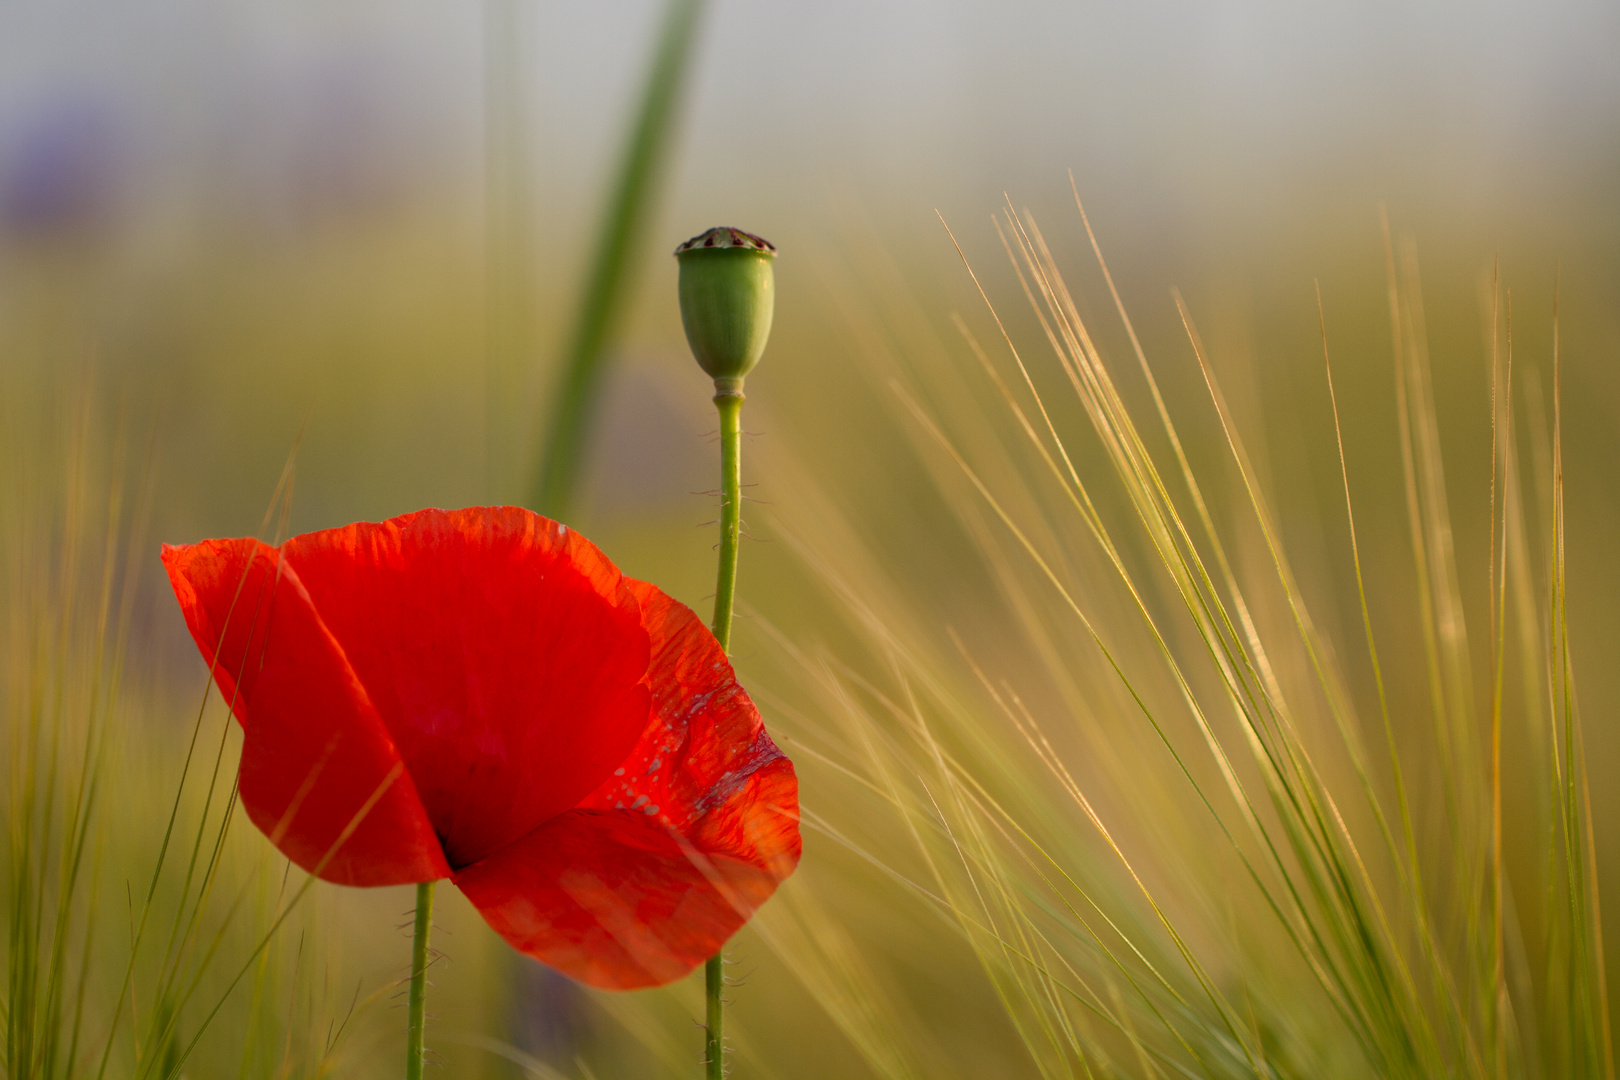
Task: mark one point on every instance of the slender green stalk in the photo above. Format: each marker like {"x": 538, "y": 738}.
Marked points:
{"x": 419, "y": 964}
{"x": 729, "y": 403}
{"x": 714, "y": 1044}
{"x": 564, "y": 434}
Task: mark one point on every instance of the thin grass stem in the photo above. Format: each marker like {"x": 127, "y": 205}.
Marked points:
{"x": 634, "y": 190}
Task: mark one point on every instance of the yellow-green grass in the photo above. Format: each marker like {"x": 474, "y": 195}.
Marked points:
{"x": 1287, "y": 825}
{"x": 1024, "y": 854}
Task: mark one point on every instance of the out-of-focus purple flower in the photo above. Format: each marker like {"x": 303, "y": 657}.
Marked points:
{"x": 329, "y": 137}
{"x": 62, "y": 170}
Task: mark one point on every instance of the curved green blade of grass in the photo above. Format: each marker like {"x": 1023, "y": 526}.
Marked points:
{"x": 562, "y": 438}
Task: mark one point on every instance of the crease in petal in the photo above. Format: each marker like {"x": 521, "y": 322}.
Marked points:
{"x": 319, "y": 774}
{"x": 704, "y": 739}
{"x": 657, "y": 868}
{"x": 615, "y": 900}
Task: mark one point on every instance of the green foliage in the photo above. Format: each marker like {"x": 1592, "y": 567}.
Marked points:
{"x": 67, "y": 627}
{"x": 1098, "y": 777}
{"x": 125, "y": 984}
{"x": 1184, "y": 828}
{"x": 562, "y": 437}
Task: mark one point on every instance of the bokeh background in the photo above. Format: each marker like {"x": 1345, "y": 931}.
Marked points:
{"x": 237, "y": 235}
{"x": 170, "y": 174}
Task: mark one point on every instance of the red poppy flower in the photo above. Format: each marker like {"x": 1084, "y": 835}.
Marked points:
{"x": 480, "y": 694}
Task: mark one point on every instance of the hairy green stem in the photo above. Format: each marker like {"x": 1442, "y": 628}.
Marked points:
{"x": 729, "y": 401}
{"x": 563, "y": 438}
{"x": 714, "y": 1045}
{"x": 419, "y": 964}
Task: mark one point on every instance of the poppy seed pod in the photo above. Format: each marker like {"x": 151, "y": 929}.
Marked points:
{"x": 727, "y": 299}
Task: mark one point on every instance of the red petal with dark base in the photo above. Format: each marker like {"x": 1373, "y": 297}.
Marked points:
{"x": 317, "y": 762}
{"x": 504, "y": 652}
{"x": 481, "y": 689}
{"x": 656, "y": 869}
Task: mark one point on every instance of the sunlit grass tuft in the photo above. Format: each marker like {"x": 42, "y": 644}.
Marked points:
{"x": 1185, "y": 827}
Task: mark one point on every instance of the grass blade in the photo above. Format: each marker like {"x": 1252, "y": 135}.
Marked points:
{"x": 563, "y": 437}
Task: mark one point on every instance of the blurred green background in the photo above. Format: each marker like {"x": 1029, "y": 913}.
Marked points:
{"x": 357, "y": 233}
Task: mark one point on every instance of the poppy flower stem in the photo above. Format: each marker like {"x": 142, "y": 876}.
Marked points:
{"x": 419, "y": 964}
{"x": 714, "y": 1046}
{"x": 728, "y": 399}
{"x": 729, "y": 402}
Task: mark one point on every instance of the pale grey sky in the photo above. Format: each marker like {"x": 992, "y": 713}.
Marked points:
{"x": 1165, "y": 108}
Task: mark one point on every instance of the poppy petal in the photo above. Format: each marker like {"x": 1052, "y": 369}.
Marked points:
{"x": 615, "y": 899}
{"x": 658, "y": 867}
{"x": 319, "y": 775}
{"x": 503, "y": 651}
{"x": 704, "y": 737}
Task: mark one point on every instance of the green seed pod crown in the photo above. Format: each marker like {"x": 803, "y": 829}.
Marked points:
{"x": 728, "y": 296}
